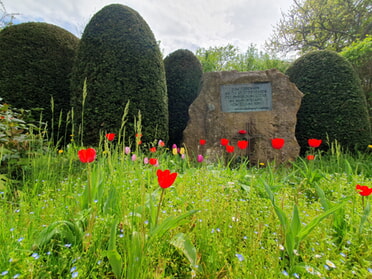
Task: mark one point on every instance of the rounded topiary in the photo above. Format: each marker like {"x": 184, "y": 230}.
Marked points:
{"x": 120, "y": 60}
{"x": 333, "y": 105}
{"x": 183, "y": 73}
{"x": 36, "y": 63}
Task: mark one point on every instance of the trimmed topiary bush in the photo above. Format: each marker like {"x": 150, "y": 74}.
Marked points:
{"x": 36, "y": 63}
{"x": 183, "y": 73}
{"x": 120, "y": 60}
{"x": 333, "y": 105}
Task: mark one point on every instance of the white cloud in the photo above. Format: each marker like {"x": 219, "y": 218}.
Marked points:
{"x": 176, "y": 23}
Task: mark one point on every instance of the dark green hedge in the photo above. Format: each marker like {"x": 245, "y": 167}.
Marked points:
{"x": 334, "y": 104}
{"x": 36, "y": 63}
{"x": 183, "y": 73}
{"x": 120, "y": 59}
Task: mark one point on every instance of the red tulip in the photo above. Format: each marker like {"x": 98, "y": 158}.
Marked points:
{"x": 153, "y": 149}
{"x": 110, "y": 136}
{"x": 277, "y": 143}
{"x": 153, "y": 161}
{"x": 87, "y": 155}
{"x": 161, "y": 143}
{"x": 229, "y": 148}
{"x": 202, "y": 141}
{"x": 364, "y": 190}
{"x": 314, "y": 142}
{"x": 310, "y": 157}
{"x": 242, "y": 132}
{"x": 166, "y": 178}
{"x": 242, "y": 144}
{"x": 224, "y": 142}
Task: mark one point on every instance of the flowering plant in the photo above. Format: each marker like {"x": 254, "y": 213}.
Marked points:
{"x": 314, "y": 142}
{"x": 87, "y": 155}
{"x": 277, "y": 143}
{"x": 110, "y": 136}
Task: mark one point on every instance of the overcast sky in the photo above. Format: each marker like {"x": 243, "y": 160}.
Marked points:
{"x": 177, "y": 24}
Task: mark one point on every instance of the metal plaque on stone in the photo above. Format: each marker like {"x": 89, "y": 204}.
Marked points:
{"x": 246, "y": 97}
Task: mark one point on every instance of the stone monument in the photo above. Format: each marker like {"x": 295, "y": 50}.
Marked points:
{"x": 244, "y": 106}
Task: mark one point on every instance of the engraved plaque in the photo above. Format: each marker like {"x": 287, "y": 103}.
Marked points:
{"x": 246, "y": 97}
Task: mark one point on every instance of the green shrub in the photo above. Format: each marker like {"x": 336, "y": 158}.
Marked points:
{"x": 120, "y": 60}
{"x": 334, "y": 105}
{"x": 36, "y": 63}
{"x": 183, "y": 73}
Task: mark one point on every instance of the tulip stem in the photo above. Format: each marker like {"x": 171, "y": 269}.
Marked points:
{"x": 89, "y": 186}
{"x": 159, "y": 205}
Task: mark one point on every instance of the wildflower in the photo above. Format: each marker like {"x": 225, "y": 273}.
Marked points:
{"x": 127, "y": 150}
{"x": 243, "y": 144}
{"x": 370, "y": 146}
{"x": 202, "y": 141}
{"x": 134, "y": 157}
{"x": 314, "y": 142}
{"x": 224, "y": 142}
{"x": 240, "y": 257}
{"x": 183, "y": 156}
{"x": 153, "y": 161}
{"x": 161, "y": 143}
{"x": 285, "y": 273}
{"x": 166, "y": 178}
{"x": 277, "y": 143}
{"x": 330, "y": 264}
{"x": 35, "y": 256}
{"x": 200, "y": 158}
{"x": 110, "y": 136}
{"x": 364, "y": 190}
{"x": 153, "y": 149}
{"x": 87, "y": 155}
{"x": 60, "y": 151}
{"x": 75, "y": 274}
{"x": 310, "y": 157}
{"x": 242, "y": 132}
{"x": 229, "y": 148}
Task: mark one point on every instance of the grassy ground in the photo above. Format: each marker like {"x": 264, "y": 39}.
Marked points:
{"x": 68, "y": 219}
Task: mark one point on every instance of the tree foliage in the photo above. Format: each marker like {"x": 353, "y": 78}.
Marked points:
{"x": 6, "y": 19}
{"x": 120, "y": 60}
{"x": 36, "y": 63}
{"x": 228, "y": 58}
{"x": 183, "y": 73}
{"x": 322, "y": 24}
{"x": 359, "y": 54}
{"x": 334, "y": 105}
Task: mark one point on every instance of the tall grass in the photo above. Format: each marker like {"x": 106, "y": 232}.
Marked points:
{"x": 304, "y": 220}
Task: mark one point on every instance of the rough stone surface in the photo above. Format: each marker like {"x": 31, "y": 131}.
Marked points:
{"x": 208, "y": 121}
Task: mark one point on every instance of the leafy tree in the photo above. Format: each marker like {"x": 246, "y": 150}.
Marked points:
{"x": 359, "y": 55}
{"x": 36, "y": 63}
{"x": 334, "y": 105}
{"x": 120, "y": 60}
{"x": 6, "y": 19}
{"x": 228, "y": 58}
{"x": 183, "y": 73}
{"x": 321, "y": 24}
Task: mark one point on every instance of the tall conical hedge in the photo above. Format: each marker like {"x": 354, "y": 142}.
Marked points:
{"x": 120, "y": 60}
{"x": 36, "y": 63}
{"x": 333, "y": 105}
{"x": 183, "y": 73}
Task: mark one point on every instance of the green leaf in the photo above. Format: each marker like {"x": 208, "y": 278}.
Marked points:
{"x": 115, "y": 262}
{"x": 296, "y": 222}
{"x": 363, "y": 219}
{"x": 182, "y": 242}
{"x": 309, "y": 227}
{"x": 168, "y": 224}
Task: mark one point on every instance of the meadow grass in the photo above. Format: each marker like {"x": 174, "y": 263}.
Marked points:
{"x": 67, "y": 219}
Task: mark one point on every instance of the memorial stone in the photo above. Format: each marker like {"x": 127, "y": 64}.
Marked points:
{"x": 262, "y": 104}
